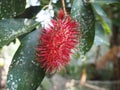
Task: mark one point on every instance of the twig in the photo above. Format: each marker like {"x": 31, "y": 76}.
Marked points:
{"x": 47, "y": 6}
{"x": 93, "y": 87}
{"x": 64, "y": 9}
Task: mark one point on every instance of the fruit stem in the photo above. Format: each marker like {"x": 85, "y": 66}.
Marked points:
{"x": 64, "y": 9}
{"x": 47, "y": 6}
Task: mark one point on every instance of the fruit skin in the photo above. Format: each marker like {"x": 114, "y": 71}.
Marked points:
{"x": 56, "y": 42}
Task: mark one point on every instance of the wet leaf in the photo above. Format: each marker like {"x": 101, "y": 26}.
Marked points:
{"x": 11, "y": 8}
{"x": 24, "y": 72}
{"x": 83, "y": 13}
{"x": 12, "y": 28}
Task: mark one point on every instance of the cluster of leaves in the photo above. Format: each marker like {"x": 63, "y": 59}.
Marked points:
{"x": 25, "y": 73}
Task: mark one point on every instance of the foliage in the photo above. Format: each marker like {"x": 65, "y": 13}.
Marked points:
{"x": 25, "y": 73}
{"x": 23, "y": 68}
{"x": 83, "y": 13}
{"x": 12, "y": 28}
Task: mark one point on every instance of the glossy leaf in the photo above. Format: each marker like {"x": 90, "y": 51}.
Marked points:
{"x": 100, "y": 37}
{"x": 83, "y": 13}
{"x": 11, "y": 8}
{"x": 102, "y": 17}
{"x": 25, "y": 72}
{"x": 12, "y": 28}
{"x": 104, "y": 1}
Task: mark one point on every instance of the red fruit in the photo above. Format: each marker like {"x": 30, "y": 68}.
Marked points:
{"x": 56, "y": 42}
{"x": 61, "y": 14}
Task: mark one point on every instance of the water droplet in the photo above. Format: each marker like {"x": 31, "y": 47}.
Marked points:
{"x": 67, "y": 1}
{"x": 21, "y": 53}
{"x": 27, "y": 22}
{"x": 3, "y": 18}
{"x": 35, "y": 63}
{"x": 14, "y": 13}
{"x": 19, "y": 79}
{"x": 73, "y": 9}
{"x": 54, "y": 1}
{"x": 69, "y": 5}
{"x": 13, "y": 83}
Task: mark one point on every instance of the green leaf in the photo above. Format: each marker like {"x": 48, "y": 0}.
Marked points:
{"x": 83, "y": 13}
{"x": 12, "y": 28}
{"x": 44, "y": 2}
{"x": 11, "y": 8}
{"x": 104, "y": 1}
{"x": 100, "y": 37}
{"x": 25, "y": 72}
{"x": 102, "y": 17}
